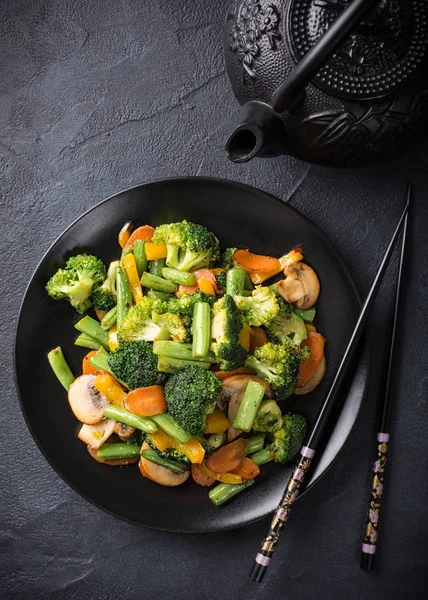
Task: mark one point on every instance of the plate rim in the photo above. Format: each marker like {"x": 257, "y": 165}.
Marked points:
{"x": 209, "y": 180}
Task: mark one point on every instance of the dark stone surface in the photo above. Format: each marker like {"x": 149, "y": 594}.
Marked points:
{"x": 98, "y": 96}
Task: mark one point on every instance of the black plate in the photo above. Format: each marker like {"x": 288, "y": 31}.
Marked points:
{"x": 240, "y": 216}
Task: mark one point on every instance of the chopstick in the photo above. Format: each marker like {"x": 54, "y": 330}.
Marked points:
{"x": 307, "y": 452}
{"x": 379, "y": 466}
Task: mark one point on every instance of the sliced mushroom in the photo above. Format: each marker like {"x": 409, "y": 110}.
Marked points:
{"x": 232, "y": 392}
{"x": 123, "y": 431}
{"x": 159, "y": 474}
{"x": 95, "y": 435}
{"x": 301, "y": 285}
{"x": 316, "y": 379}
{"x": 113, "y": 462}
{"x": 85, "y": 400}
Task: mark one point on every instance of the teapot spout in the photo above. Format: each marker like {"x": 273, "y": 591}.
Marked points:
{"x": 262, "y": 132}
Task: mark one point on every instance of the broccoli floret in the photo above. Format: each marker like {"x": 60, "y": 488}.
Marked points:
{"x": 76, "y": 281}
{"x": 221, "y": 280}
{"x": 189, "y": 245}
{"x": 142, "y": 323}
{"x": 259, "y": 308}
{"x": 279, "y": 365}
{"x": 288, "y": 440}
{"x": 287, "y": 325}
{"x": 227, "y": 260}
{"x": 184, "y": 305}
{"x": 169, "y": 453}
{"x": 269, "y": 417}
{"x": 226, "y": 325}
{"x": 135, "y": 364}
{"x": 191, "y": 395}
{"x": 104, "y": 297}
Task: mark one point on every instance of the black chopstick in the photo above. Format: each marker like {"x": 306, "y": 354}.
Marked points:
{"x": 379, "y": 466}
{"x": 296, "y": 480}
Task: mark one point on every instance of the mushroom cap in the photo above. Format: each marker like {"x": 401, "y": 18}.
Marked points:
{"x": 315, "y": 380}
{"x": 159, "y": 474}
{"x": 123, "y": 430}
{"x": 85, "y": 400}
{"x": 301, "y": 285}
{"x": 95, "y": 435}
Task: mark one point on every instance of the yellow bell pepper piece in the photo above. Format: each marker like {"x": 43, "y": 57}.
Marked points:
{"x": 217, "y": 271}
{"x": 223, "y": 477}
{"x": 284, "y": 262}
{"x": 206, "y": 287}
{"x": 155, "y": 251}
{"x": 217, "y": 422}
{"x": 134, "y": 280}
{"x": 193, "y": 449}
{"x": 244, "y": 336}
{"x": 113, "y": 341}
{"x": 100, "y": 314}
{"x": 310, "y": 328}
{"x": 107, "y": 385}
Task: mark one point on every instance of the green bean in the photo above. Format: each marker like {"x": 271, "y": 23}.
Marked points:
{"x": 166, "y": 422}
{"x": 201, "y": 329}
{"x": 235, "y": 281}
{"x": 168, "y": 364}
{"x": 225, "y": 491}
{"x": 307, "y": 315}
{"x": 249, "y": 406}
{"x": 93, "y": 329}
{"x": 140, "y": 256}
{"x": 158, "y": 283}
{"x": 60, "y": 367}
{"x": 256, "y": 443}
{"x": 124, "y": 297}
{"x": 217, "y": 439}
{"x": 109, "y": 319}
{"x": 85, "y": 341}
{"x": 125, "y": 416}
{"x": 262, "y": 456}
{"x": 154, "y": 457}
{"x": 156, "y": 266}
{"x": 178, "y": 350}
{"x": 158, "y": 295}
{"x": 177, "y": 276}
{"x": 111, "y": 451}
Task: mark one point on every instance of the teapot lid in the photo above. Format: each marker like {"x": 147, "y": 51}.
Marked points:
{"x": 377, "y": 59}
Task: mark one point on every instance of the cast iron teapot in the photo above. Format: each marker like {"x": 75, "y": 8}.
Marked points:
{"x": 333, "y": 82}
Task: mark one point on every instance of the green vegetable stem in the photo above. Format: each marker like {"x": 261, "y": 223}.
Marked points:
{"x": 125, "y": 416}
{"x": 60, "y": 367}
{"x": 124, "y": 297}
{"x": 166, "y": 422}
{"x": 201, "y": 329}
{"x": 158, "y": 283}
{"x": 93, "y": 329}
{"x": 140, "y": 256}
{"x": 85, "y": 341}
{"x": 111, "y": 451}
{"x": 225, "y": 491}
{"x": 235, "y": 282}
{"x": 249, "y": 406}
{"x": 109, "y": 319}
{"x": 167, "y": 463}
{"x": 177, "y": 276}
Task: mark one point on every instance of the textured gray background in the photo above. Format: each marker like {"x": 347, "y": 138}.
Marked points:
{"x": 100, "y": 95}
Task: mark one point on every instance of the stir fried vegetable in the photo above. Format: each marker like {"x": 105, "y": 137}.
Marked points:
{"x": 192, "y": 355}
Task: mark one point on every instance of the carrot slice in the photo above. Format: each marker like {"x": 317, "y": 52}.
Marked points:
{"x": 146, "y": 401}
{"x": 258, "y": 338}
{"x": 185, "y": 289}
{"x": 223, "y": 477}
{"x": 255, "y": 263}
{"x": 201, "y": 478}
{"x": 247, "y": 469}
{"x": 87, "y": 368}
{"x": 228, "y": 457}
{"x": 145, "y": 233}
{"x": 284, "y": 262}
{"x": 315, "y": 342}
{"x": 222, "y": 375}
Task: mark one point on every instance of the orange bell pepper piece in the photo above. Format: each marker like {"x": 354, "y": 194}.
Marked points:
{"x": 255, "y": 263}
{"x": 124, "y": 234}
{"x": 144, "y": 233}
{"x": 87, "y": 368}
